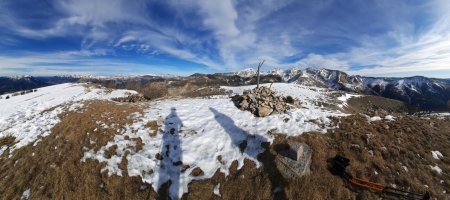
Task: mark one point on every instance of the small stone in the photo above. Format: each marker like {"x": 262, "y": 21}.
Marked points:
{"x": 264, "y": 111}
{"x": 355, "y": 147}
{"x": 184, "y": 167}
{"x": 158, "y": 156}
{"x": 197, "y": 172}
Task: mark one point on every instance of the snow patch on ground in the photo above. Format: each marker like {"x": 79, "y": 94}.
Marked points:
{"x": 344, "y": 98}
{"x": 436, "y": 169}
{"x": 374, "y": 118}
{"x": 199, "y": 131}
{"x": 217, "y": 190}
{"x": 437, "y": 154}
{"x": 405, "y": 168}
{"x": 389, "y": 117}
{"x": 29, "y": 116}
{"x": 26, "y": 194}
{"x": 440, "y": 115}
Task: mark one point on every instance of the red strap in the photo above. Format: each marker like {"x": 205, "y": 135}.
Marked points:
{"x": 366, "y": 184}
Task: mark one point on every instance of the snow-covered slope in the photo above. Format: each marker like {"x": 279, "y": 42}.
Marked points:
{"x": 202, "y": 130}
{"x": 33, "y": 114}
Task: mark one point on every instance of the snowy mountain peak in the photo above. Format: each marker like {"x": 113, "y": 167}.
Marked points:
{"x": 247, "y": 72}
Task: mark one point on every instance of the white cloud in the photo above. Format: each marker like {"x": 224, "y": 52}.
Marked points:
{"x": 76, "y": 62}
{"x": 237, "y": 33}
{"x": 315, "y": 60}
{"x": 429, "y": 51}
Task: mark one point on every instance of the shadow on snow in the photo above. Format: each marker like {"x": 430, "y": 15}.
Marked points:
{"x": 251, "y": 145}
{"x": 171, "y": 154}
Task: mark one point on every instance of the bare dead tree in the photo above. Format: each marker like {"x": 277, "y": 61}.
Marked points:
{"x": 257, "y": 73}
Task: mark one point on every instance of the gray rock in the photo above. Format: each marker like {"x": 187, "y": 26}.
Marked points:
{"x": 264, "y": 111}
{"x": 294, "y": 162}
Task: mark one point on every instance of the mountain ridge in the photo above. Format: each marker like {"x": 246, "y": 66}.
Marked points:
{"x": 420, "y": 92}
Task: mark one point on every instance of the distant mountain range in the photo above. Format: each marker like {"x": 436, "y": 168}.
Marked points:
{"x": 418, "y": 92}
{"x": 19, "y": 83}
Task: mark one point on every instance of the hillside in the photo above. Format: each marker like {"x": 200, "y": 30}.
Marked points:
{"x": 76, "y": 141}
{"x": 20, "y": 83}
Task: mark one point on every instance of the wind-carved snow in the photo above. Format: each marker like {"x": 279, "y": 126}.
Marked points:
{"x": 204, "y": 133}
{"x": 30, "y": 116}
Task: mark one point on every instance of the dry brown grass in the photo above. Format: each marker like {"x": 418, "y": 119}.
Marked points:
{"x": 7, "y": 140}
{"x": 154, "y": 126}
{"x": 52, "y": 169}
{"x": 400, "y": 143}
{"x": 55, "y": 171}
{"x": 386, "y": 149}
{"x": 375, "y": 105}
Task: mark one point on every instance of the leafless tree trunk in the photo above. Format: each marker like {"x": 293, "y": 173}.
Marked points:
{"x": 257, "y": 73}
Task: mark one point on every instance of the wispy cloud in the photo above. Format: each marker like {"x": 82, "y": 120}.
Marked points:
{"x": 361, "y": 37}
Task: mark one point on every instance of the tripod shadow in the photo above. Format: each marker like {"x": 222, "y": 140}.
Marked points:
{"x": 250, "y": 145}
{"x": 171, "y": 153}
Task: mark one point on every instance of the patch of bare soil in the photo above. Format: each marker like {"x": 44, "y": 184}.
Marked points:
{"x": 52, "y": 169}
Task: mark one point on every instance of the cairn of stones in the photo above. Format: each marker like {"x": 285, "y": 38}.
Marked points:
{"x": 261, "y": 101}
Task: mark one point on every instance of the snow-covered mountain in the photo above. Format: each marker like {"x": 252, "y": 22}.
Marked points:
{"x": 247, "y": 72}
{"x": 18, "y": 83}
{"x": 425, "y": 93}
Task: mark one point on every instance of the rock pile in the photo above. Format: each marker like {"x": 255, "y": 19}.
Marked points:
{"x": 131, "y": 98}
{"x": 261, "y": 102}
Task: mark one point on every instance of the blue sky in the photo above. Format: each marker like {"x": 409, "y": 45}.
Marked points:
{"x": 108, "y": 37}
